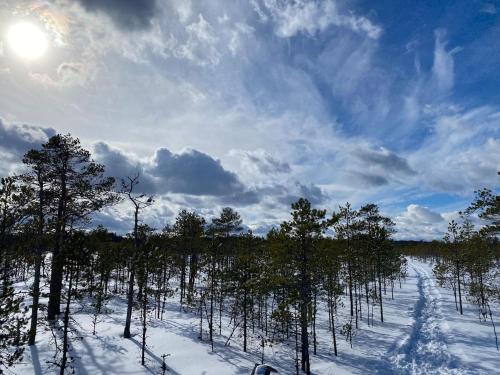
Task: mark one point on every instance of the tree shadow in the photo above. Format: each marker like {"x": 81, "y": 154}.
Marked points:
{"x": 153, "y": 356}
{"x": 36, "y": 360}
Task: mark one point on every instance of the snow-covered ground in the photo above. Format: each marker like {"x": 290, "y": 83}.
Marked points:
{"x": 422, "y": 334}
{"x": 441, "y": 341}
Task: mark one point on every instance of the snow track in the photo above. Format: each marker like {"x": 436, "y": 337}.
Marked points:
{"x": 425, "y": 351}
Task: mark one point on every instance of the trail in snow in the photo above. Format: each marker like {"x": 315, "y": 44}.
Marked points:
{"x": 426, "y": 351}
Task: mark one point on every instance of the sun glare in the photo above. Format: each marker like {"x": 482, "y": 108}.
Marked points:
{"x": 27, "y": 40}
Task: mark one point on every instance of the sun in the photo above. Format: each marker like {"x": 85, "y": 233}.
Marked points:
{"x": 27, "y": 40}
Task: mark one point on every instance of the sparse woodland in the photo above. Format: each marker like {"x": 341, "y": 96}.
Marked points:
{"x": 467, "y": 259}
{"x": 270, "y": 288}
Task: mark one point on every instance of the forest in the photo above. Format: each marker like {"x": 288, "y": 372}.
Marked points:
{"x": 333, "y": 271}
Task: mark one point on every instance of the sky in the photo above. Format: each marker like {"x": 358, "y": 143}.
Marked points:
{"x": 255, "y": 103}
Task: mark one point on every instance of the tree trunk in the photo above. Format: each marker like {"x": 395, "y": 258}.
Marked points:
{"x": 130, "y": 293}
{"x": 183, "y": 279}
{"x": 459, "y": 288}
{"x": 245, "y": 321}
{"x": 56, "y": 274}
{"x": 304, "y": 339}
{"x": 130, "y": 303}
{"x": 56, "y": 279}
{"x": 66, "y": 324}
{"x": 36, "y": 298}
{"x": 380, "y": 290}
{"x": 193, "y": 267}
{"x": 315, "y": 344}
{"x": 351, "y": 299}
{"x": 144, "y": 316}
{"x": 38, "y": 262}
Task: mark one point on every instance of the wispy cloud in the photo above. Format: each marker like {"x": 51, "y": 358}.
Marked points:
{"x": 443, "y": 67}
{"x": 311, "y": 17}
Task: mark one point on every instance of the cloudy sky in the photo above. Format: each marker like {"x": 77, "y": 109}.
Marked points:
{"x": 254, "y": 103}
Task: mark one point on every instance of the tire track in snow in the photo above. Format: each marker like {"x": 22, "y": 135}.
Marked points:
{"x": 425, "y": 351}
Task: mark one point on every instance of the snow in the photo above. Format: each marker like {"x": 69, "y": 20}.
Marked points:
{"x": 441, "y": 341}
{"x": 426, "y": 350}
{"x": 422, "y": 334}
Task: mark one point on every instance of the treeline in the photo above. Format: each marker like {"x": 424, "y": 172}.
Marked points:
{"x": 433, "y": 250}
{"x": 268, "y": 288}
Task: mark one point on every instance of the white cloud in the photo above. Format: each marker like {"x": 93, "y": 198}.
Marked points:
{"x": 420, "y": 215}
{"x": 462, "y": 153}
{"x": 419, "y": 223}
{"x": 67, "y": 74}
{"x": 261, "y": 162}
{"x": 201, "y": 48}
{"x": 310, "y": 17}
{"x": 443, "y": 66}
{"x": 183, "y": 8}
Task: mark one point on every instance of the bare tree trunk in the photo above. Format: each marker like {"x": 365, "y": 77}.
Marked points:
{"x": 245, "y": 321}
{"x": 459, "y": 288}
{"x": 296, "y": 346}
{"x": 36, "y": 298}
{"x": 144, "y": 315}
{"x": 130, "y": 293}
{"x": 66, "y": 324}
{"x": 130, "y": 303}
{"x": 380, "y": 291}
{"x": 211, "y": 318}
{"x": 315, "y": 343}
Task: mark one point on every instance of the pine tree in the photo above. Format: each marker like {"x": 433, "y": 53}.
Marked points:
{"x": 145, "y": 263}
{"x": 305, "y": 229}
{"x": 139, "y": 202}
{"x": 377, "y": 230}
{"x": 78, "y": 189}
{"x": 345, "y": 226}
{"x": 12, "y": 322}
{"x": 12, "y": 311}
{"x": 220, "y": 230}
{"x": 330, "y": 268}
{"x": 453, "y": 242}
{"x": 487, "y": 206}
{"x": 189, "y": 229}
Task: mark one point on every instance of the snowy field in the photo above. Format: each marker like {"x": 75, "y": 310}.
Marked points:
{"x": 422, "y": 334}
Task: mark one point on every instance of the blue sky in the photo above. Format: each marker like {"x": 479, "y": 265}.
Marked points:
{"x": 255, "y": 103}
